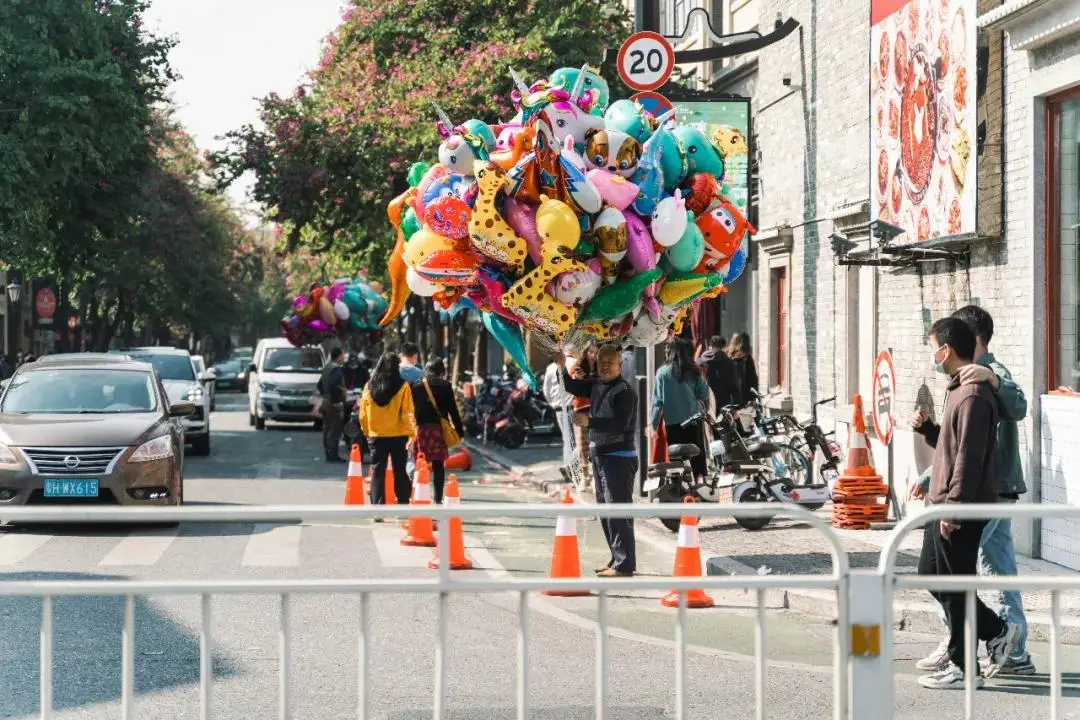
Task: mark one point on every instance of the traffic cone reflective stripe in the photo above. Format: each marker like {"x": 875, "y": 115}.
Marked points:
{"x": 458, "y": 560}
{"x": 858, "y": 459}
{"x": 354, "y": 479}
{"x": 565, "y": 557}
{"x": 421, "y": 530}
{"x": 859, "y": 494}
{"x": 688, "y": 564}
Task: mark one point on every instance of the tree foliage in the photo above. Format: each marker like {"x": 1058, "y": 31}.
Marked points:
{"x": 333, "y": 153}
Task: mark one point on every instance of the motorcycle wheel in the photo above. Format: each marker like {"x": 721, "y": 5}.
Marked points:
{"x": 513, "y": 438}
{"x": 751, "y": 495}
{"x": 667, "y": 494}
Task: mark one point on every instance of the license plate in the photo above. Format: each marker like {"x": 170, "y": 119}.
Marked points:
{"x": 651, "y": 484}
{"x": 297, "y": 404}
{"x": 71, "y": 488}
{"x": 724, "y": 495}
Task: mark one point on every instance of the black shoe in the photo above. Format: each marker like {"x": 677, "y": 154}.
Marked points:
{"x": 335, "y": 459}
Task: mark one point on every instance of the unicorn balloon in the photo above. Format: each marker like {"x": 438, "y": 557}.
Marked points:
{"x": 464, "y": 144}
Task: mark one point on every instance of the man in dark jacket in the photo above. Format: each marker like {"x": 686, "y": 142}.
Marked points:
{"x": 719, "y": 373}
{"x": 963, "y": 472}
{"x": 332, "y": 389}
{"x": 611, "y": 422}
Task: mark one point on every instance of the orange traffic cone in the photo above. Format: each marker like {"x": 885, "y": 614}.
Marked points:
{"x": 460, "y": 459}
{"x": 858, "y": 454}
{"x": 421, "y": 530}
{"x": 388, "y": 484}
{"x": 458, "y": 561}
{"x": 565, "y": 558}
{"x": 859, "y": 495}
{"x": 354, "y": 479}
{"x": 688, "y": 564}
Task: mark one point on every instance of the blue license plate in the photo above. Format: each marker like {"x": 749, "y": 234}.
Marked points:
{"x": 298, "y": 404}
{"x": 71, "y": 488}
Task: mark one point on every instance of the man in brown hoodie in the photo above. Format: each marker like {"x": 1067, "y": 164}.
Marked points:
{"x": 963, "y": 472}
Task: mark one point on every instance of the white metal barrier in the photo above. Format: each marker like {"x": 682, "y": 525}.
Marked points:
{"x": 872, "y": 679}
{"x": 444, "y": 583}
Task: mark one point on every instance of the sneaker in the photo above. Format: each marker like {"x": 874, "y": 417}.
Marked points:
{"x": 1013, "y": 666}
{"x": 1000, "y": 648}
{"x": 951, "y": 678}
{"x": 936, "y": 660}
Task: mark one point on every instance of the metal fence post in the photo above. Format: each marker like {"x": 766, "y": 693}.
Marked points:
{"x": 870, "y": 684}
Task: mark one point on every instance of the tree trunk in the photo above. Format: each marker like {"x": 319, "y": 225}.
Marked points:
{"x": 460, "y": 329}
{"x": 480, "y": 353}
{"x": 114, "y": 324}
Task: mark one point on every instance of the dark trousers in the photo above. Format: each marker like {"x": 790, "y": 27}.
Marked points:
{"x": 690, "y": 434}
{"x": 438, "y": 479}
{"x": 958, "y": 555}
{"x": 333, "y": 419}
{"x": 392, "y": 448}
{"x": 614, "y": 479}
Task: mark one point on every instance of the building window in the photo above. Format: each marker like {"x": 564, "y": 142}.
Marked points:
{"x": 778, "y": 327}
{"x": 681, "y": 10}
{"x": 1063, "y": 239}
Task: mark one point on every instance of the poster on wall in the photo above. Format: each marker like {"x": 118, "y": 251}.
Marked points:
{"x": 727, "y": 124}
{"x": 923, "y": 116}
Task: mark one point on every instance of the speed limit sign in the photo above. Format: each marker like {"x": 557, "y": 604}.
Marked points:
{"x": 646, "y": 60}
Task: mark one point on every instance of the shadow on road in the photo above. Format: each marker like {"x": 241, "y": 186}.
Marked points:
{"x": 87, "y": 649}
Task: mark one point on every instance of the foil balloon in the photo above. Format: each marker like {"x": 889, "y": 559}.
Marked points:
{"x": 613, "y": 151}
{"x": 685, "y": 255}
{"x": 528, "y": 297}
{"x": 723, "y": 228}
{"x": 615, "y": 190}
{"x": 445, "y": 186}
{"x": 434, "y": 174}
{"x": 416, "y": 173}
{"x": 487, "y": 293}
{"x": 409, "y": 224}
{"x": 450, "y": 268}
{"x": 640, "y": 251}
{"x": 463, "y": 145}
{"x": 449, "y": 216}
{"x": 557, "y": 223}
{"x": 647, "y": 332}
{"x": 488, "y": 230}
{"x": 319, "y": 326}
{"x": 669, "y": 220}
{"x": 508, "y": 335}
{"x": 341, "y": 310}
{"x": 419, "y": 285}
{"x": 568, "y": 78}
{"x": 628, "y": 117}
{"x": 396, "y": 267}
{"x": 522, "y": 217}
{"x": 702, "y": 191}
{"x": 683, "y": 288}
{"x": 577, "y": 287}
{"x": 326, "y": 312}
{"x": 736, "y": 266}
{"x": 616, "y": 300}
{"x": 612, "y": 239}
{"x": 701, "y": 155}
{"x": 424, "y": 244}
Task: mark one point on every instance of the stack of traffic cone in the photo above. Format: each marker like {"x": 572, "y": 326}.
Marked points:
{"x": 354, "y": 479}
{"x": 859, "y": 496}
{"x": 421, "y": 530}
{"x": 458, "y": 561}
{"x": 565, "y": 558}
{"x": 688, "y": 564}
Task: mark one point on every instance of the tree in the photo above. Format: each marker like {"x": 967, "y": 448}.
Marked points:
{"x": 330, "y": 156}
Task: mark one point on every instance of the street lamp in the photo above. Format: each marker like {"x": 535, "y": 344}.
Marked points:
{"x": 14, "y": 292}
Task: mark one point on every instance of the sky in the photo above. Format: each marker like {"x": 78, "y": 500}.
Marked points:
{"x": 232, "y": 52}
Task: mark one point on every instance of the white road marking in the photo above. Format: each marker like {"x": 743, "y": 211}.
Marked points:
{"x": 15, "y": 547}
{"x": 144, "y": 548}
{"x": 392, "y": 553}
{"x": 273, "y": 546}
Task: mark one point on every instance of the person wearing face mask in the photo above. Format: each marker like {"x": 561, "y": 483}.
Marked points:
{"x": 611, "y": 421}
{"x": 964, "y": 471}
{"x": 997, "y": 554}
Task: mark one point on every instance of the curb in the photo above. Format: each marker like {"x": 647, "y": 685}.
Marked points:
{"x": 522, "y": 474}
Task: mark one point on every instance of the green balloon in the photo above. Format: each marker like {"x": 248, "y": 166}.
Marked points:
{"x": 616, "y": 300}
{"x": 685, "y": 255}
{"x": 409, "y": 224}
{"x": 416, "y": 173}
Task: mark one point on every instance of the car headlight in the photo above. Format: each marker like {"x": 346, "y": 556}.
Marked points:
{"x": 8, "y": 456}
{"x": 157, "y": 449}
{"x": 267, "y": 387}
{"x": 194, "y": 393}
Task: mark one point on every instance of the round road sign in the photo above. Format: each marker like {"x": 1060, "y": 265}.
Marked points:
{"x": 653, "y": 102}
{"x": 646, "y": 60}
{"x": 884, "y": 398}
{"x": 45, "y": 303}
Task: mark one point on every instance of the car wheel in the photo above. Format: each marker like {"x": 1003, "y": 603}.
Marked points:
{"x": 201, "y": 445}
{"x": 260, "y": 423}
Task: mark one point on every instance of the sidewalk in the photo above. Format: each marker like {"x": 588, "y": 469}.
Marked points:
{"x": 787, "y": 547}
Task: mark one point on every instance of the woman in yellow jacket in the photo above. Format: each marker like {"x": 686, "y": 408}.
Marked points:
{"x": 386, "y": 418}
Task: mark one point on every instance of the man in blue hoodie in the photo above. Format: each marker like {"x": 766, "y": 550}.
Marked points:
{"x": 997, "y": 556}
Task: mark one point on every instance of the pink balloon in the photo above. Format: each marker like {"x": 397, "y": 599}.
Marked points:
{"x": 522, "y": 217}
{"x": 336, "y": 291}
{"x": 318, "y": 326}
{"x": 639, "y": 247}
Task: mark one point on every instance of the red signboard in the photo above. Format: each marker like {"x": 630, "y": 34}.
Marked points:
{"x": 45, "y": 303}
{"x": 655, "y": 103}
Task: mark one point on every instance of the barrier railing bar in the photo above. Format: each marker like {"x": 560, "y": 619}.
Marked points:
{"x": 601, "y": 654}
{"x": 443, "y": 549}
{"x": 971, "y": 668}
{"x": 127, "y": 692}
{"x": 960, "y": 583}
{"x": 1055, "y": 655}
{"x": 440, "y": 652}
{"x": 362, "y": 658}
{"x": 46, "y": 644}
{"x": 841, "y": 653}
{"x": 760, "y": 660}
{"x": 680, "y": 659}
{"x": 284, "y": 658}
{"x": 206, "y": 667}
{"x": 523, "y": 657}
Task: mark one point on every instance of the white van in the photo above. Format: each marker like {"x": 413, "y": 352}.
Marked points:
{"x": 281, "y": 383}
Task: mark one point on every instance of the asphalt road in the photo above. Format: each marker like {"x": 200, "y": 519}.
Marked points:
{"x": 283, "y": 465}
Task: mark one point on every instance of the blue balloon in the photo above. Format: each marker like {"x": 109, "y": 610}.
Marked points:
{"x": 509, "y": 336}
{"x": 735, "y": 268}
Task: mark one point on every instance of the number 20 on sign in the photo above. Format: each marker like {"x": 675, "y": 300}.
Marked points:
{"x": 646, "y": 61}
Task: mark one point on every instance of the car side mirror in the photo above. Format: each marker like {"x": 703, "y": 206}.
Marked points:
{"x": 206, "y": 376}
{"x": 181, "y": 409}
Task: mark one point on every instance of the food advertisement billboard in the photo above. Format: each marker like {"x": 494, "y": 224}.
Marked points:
{"x": 923, "y": 117}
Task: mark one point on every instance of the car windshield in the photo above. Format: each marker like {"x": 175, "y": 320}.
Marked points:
{"x": 79, "y": 390}
{"x": 169, "y": 366}
{"x": 309, "y": 360}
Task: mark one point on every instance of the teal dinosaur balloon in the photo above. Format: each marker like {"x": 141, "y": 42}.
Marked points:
{"x": 629, "y": 117}
{"x": 509, "y": 336}
{"x": 615, "y": 301}
{"x": 700, "y": 154}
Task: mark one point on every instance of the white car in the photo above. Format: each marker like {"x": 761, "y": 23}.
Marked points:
{"x": 210, "y": 383}
{"x": 182, "y": 383}
{"x": 282, "y": 383}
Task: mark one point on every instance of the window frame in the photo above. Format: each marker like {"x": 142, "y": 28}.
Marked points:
{"x": 1053, "y": 239}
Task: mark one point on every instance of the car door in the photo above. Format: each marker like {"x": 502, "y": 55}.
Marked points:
{"x": 253, "y": 377}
